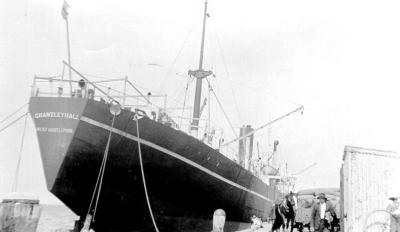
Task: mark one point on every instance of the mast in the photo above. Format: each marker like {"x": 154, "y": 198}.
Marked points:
{"x": 199, "y": 74}
{"x": 64, "y": 13}
{"x": 203, "y": 35}
{"x": 69, "y": 57}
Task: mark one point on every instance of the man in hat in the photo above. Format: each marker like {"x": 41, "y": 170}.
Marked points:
{"x": 394, "y": 209}
{"x": 319, "y": 218}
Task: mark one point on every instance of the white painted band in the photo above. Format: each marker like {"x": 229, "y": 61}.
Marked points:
{"x": 171, "y": 153}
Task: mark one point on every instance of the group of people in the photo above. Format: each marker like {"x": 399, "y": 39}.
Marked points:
{"x": 323, "y": 215}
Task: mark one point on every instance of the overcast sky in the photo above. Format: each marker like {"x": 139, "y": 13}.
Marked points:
{"x": 340, "y": 59}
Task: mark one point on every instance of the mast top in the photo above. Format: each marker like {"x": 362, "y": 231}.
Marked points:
{"x": 199, "y": 74}
{"x": 203, "y": 35}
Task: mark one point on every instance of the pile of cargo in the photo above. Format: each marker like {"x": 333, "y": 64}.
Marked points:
{"x": 307, "y": 197}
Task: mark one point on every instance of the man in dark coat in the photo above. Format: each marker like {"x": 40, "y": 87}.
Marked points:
{"x": 277, "y": 215}
{"x": 319, "y": 217}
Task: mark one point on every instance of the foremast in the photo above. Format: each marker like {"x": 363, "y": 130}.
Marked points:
{"x": 199, "y": 74}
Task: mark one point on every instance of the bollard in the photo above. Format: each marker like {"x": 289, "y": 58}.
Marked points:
{"x": 19, "y": 213}
{"x": 219, "y": 220}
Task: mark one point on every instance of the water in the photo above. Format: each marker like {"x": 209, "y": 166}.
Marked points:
{"x": 56, "y": 218}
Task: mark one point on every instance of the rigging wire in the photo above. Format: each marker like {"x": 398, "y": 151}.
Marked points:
{"x": 144, "y": 98}
{"x": 108, "y": 78}
{"x": 99, "y": 77}
{"x": 15, "y": 182}
{"x": 12, "y": 114}
{"x": 228, "y": 75}
{"x": 143, "y": 177}
{"x": 11, "y": 123}
{"x": 179, "y": 53}
{"x": 63, "y": 72}
{"x": 136, "y": 88}
{"x": 184, "y": 100}
{"x": 181, "y": 93}
{"x": 230, "y": 81}
{"x": 138, "y": 98}
{"x": 118, "y": 91}
{"x": 266, "y": 92}
{"x": 222, "y": 108}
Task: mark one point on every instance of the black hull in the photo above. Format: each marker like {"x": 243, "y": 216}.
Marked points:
{"x": 186, "y": 179}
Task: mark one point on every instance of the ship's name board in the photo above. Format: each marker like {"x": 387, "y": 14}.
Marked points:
{"x": 56, "y": 115}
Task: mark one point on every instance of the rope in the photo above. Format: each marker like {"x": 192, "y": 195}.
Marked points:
{"x": 222, "y": 108}
{"x": 104, "y": 167}
{"x": 11, "y": 123}
{"x": 15, "y": 182}
{"x": 9, "y": 116}
{"x": 229, "y": 78}
{"x": 100, "y": 176}
{"x": 143, "y": 177}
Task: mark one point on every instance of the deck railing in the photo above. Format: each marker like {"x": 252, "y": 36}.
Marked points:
{"x": 120, "y": 90}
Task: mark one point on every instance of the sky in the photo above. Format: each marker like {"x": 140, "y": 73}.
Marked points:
{"x": 339, "y": 59}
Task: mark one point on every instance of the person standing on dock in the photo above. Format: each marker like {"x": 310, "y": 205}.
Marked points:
{"x": 277, "y": 215}
{"x": 319, "y": 218}
{"x": 394, "y": 209}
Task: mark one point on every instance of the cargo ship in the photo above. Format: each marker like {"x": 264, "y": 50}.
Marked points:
{"x": 126, "y": 168}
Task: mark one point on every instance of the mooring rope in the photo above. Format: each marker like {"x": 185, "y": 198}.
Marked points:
{"x": 100, "y": 176}
{"x": 143, "y": 177}
{"x": 99, "y": 181}
{"x": 15, "y": 182}
{"x": 104, "y": 167}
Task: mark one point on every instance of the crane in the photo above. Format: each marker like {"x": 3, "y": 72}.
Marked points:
{"x": 305, "y": 169}
{"x": 301, "y": 108}
{"x": 292, "y": 175}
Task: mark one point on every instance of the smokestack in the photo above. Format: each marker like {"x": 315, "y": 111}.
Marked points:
{"x": 242, "y": 147}
{"x": 250, "y": 153}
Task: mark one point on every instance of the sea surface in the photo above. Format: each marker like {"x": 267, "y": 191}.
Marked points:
{"x": 56, "y": 218}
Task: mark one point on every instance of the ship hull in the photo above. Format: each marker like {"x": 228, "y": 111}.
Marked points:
{"x": 186, "y": 180}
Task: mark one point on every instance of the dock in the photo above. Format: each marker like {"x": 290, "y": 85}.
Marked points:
{"x": 19, "y": 212}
